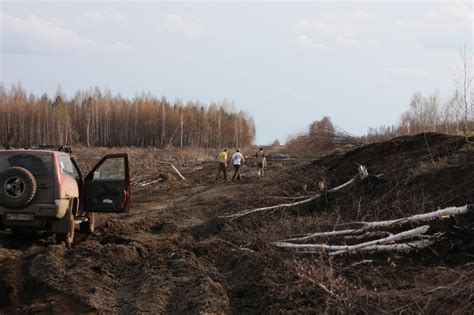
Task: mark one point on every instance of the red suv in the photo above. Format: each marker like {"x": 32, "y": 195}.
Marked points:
{"x": 45, "y": 189}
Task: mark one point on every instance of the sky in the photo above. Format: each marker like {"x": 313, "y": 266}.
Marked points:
{"x": 285, "y": 63}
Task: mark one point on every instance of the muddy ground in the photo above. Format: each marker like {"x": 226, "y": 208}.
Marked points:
{"x": 172, "y": 254}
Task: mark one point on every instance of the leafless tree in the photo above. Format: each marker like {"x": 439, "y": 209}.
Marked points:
{"x": 99, "y": 118}
{"x": 465, "y": 90}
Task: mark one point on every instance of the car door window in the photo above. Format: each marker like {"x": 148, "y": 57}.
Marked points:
{"x": 112, "y": 169}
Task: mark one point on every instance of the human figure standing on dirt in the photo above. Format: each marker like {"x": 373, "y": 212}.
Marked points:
{"x": 222, "y": 159}
{"x": 237, "y": 160}
{"x": 261, "y": 163}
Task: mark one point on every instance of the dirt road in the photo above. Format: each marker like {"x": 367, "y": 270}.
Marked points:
{"x": 171, "y": 254}
{"x": 154, "y": 259}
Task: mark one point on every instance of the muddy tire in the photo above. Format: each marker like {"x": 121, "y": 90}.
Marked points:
{"x": 17, "y": 188}
{"x": 89, "y": 225}
{"x": 67, "y": 238}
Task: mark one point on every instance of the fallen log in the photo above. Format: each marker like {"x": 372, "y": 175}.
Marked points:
{"x": 398, "y": 247}
{"x": 173, "y": 167}
{"x": 447, "y": 212}
{"x": 161, "y": 178}
{"x": 392, "y": 238}
{"x": 177, "y": 172}
{"x": 285, "y": 205}
{"x": 413, "y": 238}
{"x": 342, "y": 249}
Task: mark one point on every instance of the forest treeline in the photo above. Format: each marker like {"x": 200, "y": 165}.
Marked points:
{"x": 430, "y": 114}
{"x": 425, "y": 114}
{"x": 454, "y": 115}
{"x": 96, "y": 118}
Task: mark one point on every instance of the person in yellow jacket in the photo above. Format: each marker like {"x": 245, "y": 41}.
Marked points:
{"x": 222, "y": 168}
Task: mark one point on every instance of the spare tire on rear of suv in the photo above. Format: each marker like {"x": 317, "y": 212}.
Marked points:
{"x": 17, "y": 187}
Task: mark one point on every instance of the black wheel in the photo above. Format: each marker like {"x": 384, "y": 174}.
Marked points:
{"x": 89, "y": 225}
{"x": 68, "y": 237}
{"x": 17, "y": 187}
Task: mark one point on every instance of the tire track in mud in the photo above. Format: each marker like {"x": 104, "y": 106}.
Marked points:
{"x": 136, "y": 263}
{"x": 144, "y": 261}
{"x": 170, "y": 278}
{"x": 21, "y": 293}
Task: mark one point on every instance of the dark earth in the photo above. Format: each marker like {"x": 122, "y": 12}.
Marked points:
{"x": 173, "y": 254}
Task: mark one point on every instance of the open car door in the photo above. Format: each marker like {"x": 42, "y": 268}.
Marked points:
{"x": 107, "y": 186}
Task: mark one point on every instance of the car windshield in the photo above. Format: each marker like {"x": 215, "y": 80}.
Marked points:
{"x": 37, "y": 164}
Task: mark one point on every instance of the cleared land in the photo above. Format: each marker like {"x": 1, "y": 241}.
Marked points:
{"x": 172, "y": 254}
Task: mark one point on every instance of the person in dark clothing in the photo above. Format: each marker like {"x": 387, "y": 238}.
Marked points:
{"x": 261, "y": 163}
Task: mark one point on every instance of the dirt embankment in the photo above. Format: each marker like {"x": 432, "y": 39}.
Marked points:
{"x": 171, "y": 254}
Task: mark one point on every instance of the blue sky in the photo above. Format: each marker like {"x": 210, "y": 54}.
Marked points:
{"x": 285, "y": 63}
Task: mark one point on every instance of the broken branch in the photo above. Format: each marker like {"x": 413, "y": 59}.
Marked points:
{"x": 285, "y": 205}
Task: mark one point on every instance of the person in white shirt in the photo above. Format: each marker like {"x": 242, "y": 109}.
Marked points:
{"x": 237, "y": 160}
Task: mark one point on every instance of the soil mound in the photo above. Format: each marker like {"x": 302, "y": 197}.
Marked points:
{"x": 407, "y": 176}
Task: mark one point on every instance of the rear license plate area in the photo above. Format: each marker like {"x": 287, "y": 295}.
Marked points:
{"x": 20, "y": 217}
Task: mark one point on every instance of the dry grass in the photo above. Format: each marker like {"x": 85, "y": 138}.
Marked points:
{"x": 146, "y": 163}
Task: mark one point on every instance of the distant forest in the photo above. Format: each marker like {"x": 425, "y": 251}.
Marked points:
{"x": 425, "y": 114}
{"x": 96, "y": 118}
{"x": 454, "y": 115}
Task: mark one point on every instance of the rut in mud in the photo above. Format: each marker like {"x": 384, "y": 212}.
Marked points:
{"x": 171, "y": 254}
{"x": 150, "y": 260}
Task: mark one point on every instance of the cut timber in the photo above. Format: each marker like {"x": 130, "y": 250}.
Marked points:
{"x": 392, "y": 238}
{"x": 322, "y": 186}
{"x": 399, "y": 247}
{"x": 177, "y": 172}
{"x": 363, "y": 173}
{"x": 161, "y": 178}
{"x": 447, "y": 212}
{"x": 173, "y": 167}
{"x": 284, "y": 205}
{"x": 404, "y": 241}
{"x": 342, "y": 249}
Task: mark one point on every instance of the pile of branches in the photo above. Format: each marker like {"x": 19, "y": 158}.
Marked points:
{"x": 322, "y": 142}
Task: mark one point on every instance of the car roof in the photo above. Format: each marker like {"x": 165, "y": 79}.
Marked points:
{"x": 30, "y": 151}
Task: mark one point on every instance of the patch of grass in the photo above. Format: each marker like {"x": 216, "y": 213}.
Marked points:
{"x": 430, "y": 166}
{"x": 277, "y": 166}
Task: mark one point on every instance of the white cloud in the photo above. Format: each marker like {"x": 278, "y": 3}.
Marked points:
{"x": 347, "y": 41}
{"x": 94, "y": 16}
{"x": 304, "y": 40}
{"x": 34, "y": 34}
{"x": 118, "y": 45}
{"x": 446, "y": 26}
{"x": 408, "y": 73}
{"x": 313, "y": 25}
{"x": 360, "y": 15}
{"x": 457, "y": 10}
{"x": 452, "y": 16}
{"x": 177, "y": 23}
{"x": 105, "y": 15}
{"x": 333, "y": 30}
